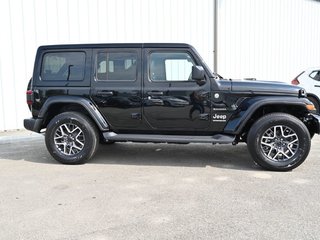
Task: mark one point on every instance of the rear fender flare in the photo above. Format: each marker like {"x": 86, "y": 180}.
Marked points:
{"x": 84, "y": 102}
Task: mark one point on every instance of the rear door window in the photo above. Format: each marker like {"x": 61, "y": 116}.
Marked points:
{"x": 116, "y": 66}
{"x": 63, "y": 66}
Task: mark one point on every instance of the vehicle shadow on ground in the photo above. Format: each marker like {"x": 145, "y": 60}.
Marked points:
{"x": 149, "y": 154}
{"x": 186, "y": 155}
{"x": 31, "y": 150}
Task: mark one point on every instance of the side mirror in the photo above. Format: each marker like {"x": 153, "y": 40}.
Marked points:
{"x": 198, "y": 75}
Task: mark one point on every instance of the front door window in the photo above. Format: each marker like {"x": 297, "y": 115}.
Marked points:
{"x": 166, "y": 66}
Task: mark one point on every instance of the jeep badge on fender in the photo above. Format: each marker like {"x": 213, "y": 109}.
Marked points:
{"x": 81, "y": 95}
{"x": 217, "y": 118}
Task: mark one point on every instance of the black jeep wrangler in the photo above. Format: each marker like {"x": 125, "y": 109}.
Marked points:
{"x": 85, "y": 94}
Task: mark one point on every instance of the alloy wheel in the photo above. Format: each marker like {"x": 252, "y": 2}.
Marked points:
{"x": 279, "y": 143}
{"x": 69, "y": 139}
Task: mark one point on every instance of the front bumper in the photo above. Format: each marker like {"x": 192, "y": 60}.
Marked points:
{"x": 33, "y": 124}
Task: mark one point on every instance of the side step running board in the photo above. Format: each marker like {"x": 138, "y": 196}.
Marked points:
{"x": 218, "y": 138}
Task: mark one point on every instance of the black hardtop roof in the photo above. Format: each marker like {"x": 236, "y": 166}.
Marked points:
{"x": 117, "y": 45}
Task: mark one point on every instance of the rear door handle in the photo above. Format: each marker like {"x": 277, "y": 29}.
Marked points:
{"x": 135, "y": 93}
{"x": 105, "y": 93}
{"x": 155, "y": 93}
{"x": 317, "y": 85}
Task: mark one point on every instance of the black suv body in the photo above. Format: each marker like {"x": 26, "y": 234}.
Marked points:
{"x": 86, "y": 94}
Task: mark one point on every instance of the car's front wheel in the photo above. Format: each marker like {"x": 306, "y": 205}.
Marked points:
{"x": 71, "y": 138}
{"x": 279, "y": 142}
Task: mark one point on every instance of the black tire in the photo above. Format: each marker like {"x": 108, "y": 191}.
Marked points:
{"x": 279, "y": 142}
{"x": 315, "y": 103}
{"x": 71, "y": 138}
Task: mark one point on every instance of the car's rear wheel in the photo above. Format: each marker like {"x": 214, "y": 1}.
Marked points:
{"x": 71, "y": 138}
{"x": 279, "y": 142}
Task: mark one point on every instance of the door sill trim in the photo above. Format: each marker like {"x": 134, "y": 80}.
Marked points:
{"x": 218, "y": 138}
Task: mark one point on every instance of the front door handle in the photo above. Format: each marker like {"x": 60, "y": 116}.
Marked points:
{"x": 155, "y": 93}
{"x": 136, "y": 116}
{"x": 317, "y": 85}
{"x": 105, "y": 93}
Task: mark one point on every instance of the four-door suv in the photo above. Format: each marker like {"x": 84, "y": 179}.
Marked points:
{"x": 84, "y": 94}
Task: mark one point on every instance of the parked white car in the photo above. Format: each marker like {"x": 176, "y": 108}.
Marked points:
{"x": 310, "y": 80}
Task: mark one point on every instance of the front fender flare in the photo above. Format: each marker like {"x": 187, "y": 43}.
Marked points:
{"x": 314, "y": 96}
{"x": 249, "y": 106}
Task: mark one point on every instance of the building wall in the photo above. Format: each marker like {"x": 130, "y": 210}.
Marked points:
{"x": 273, "y": 40}
{"x": 268, "y": 39}
{"x": 26, "y": 24}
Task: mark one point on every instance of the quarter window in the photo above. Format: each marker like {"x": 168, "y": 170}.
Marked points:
{"x": 170, "y": 66}
{"x": 116, "y": 66}
{"x": 63, "y": 66}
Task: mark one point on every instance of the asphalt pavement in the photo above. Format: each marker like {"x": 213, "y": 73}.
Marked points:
{"x": 154, "y": 191}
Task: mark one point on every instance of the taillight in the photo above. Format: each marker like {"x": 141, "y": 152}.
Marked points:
{"x": 295, "y": 82}
{"x": 29, "y": 97}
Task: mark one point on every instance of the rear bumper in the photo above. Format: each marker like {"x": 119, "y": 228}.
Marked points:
{"x": 316, "y": 121}
{"x": 33, "y": 124}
